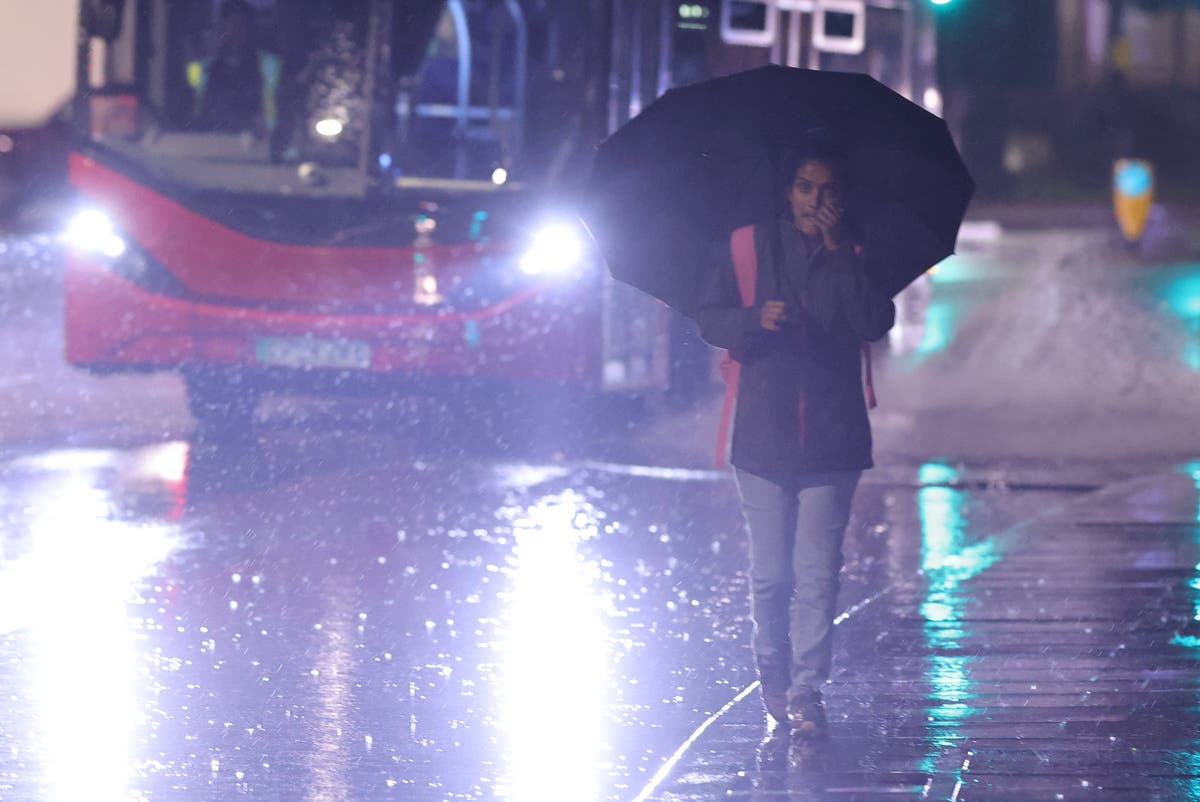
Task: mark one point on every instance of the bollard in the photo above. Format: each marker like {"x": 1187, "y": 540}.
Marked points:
{"x": 1133, "y": 196}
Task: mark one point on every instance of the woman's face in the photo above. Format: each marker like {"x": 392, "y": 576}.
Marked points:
{"x": 816, "y": 184}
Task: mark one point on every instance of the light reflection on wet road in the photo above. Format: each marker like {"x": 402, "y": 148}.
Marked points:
{"x": 353, "y": 607}
{"x": 183, "y": 623}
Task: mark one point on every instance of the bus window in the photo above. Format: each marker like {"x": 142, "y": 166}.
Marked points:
{"x": 235, "y": 86}
{"x": 263, "y": 96}
{"x": 461, "y": 115}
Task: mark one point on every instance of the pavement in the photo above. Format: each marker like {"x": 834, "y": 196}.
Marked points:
{"x": 1057, "y": 659}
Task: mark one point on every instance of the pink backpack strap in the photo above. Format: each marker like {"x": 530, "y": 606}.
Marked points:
{"x": 745, "y": 269}
{"x": 745, "y": 262}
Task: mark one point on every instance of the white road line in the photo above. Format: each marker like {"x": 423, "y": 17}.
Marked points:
{"x": 666, "y": 768}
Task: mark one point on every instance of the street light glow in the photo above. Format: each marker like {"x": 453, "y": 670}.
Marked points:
{"x": 933, "y": 100}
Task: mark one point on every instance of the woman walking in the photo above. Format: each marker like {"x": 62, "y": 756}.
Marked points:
{"x": 793, "y": 306}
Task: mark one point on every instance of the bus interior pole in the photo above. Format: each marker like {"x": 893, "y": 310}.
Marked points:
{"x": 462, "y": 31}
{"x": 375, "y": 31}
{"x": 521, "y": 73}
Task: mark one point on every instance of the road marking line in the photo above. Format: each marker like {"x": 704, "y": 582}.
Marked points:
{"x": 666, "y": 768}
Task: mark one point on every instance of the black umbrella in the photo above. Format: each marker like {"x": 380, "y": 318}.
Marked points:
{"x": 704, "y": 159}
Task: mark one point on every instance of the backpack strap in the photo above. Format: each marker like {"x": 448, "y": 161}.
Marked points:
{"x": 745, "y": 262}
{"x": 745, "y": 269}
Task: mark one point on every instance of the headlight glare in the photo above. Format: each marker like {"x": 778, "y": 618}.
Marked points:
{"x": 93, "y": 232}
{"x": 556, "y": 248}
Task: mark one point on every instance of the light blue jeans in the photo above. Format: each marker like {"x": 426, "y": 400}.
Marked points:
{"x": 797, "y": 525}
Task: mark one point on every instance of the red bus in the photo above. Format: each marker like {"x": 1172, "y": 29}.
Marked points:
{"x": 377, "y": 193}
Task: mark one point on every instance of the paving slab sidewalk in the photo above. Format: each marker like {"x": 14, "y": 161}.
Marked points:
{"x": 1056, "y": 660}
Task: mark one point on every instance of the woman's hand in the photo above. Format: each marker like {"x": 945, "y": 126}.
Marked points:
{"x": 829, "y": 219}
{"x": 773, "y": 315}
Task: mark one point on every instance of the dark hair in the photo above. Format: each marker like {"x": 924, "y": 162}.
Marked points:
{"x": 817, "y": 146}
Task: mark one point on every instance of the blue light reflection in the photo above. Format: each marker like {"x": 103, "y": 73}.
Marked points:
{"x": 946, "y": 563}
{"x": 940, "y": 320}
{"x": 1177, "y": 289}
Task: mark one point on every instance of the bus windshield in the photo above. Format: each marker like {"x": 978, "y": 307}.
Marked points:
{"x": 322, "y": 97}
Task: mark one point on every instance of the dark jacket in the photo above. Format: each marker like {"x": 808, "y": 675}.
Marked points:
{"x": 800, "y": 403}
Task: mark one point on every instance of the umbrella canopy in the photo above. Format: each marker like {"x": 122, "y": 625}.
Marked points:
{"x": 705, "y": 159}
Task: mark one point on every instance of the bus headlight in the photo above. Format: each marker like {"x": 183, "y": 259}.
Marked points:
{"x": 556, "y": 249}
{"x": 92, "y": 231}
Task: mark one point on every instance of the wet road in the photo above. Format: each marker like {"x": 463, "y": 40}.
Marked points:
{"x": 356, "y": 604}
{"x": 193, "y": 623}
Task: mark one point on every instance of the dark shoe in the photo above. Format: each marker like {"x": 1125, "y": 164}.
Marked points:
{"x": 773, "y": 751}
{"x": 774, "y": 761}
{"x": 808, "y": 755}
{"x": 775, "y": 676}
{"x": 807, "y": 716}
